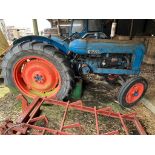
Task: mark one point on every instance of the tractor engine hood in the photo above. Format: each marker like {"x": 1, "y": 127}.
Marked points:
{"x": 99, "y": 46}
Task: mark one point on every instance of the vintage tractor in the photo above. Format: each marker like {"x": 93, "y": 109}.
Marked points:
{"x": 46, "y": 67}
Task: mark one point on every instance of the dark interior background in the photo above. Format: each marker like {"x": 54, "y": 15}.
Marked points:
{"x": 141, "y": 27}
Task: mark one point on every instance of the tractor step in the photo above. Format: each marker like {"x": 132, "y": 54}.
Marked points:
{"x": 28, "y": 121}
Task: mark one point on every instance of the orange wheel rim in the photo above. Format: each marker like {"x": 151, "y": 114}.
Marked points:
{"x": 134, "y": 93}
{"x": 36, "y": 76}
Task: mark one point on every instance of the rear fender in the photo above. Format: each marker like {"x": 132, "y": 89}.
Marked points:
{"x": 54, "y": 41}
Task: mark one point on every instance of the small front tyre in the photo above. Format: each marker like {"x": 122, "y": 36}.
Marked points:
{"x": 132, "y": 91}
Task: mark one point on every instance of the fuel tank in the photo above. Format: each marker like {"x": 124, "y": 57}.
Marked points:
{"x": 100, "y": 46}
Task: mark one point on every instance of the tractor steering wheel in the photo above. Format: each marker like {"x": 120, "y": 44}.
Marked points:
{"x": 97, "y": 35}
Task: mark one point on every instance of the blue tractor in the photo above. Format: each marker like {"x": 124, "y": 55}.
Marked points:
{"x": 47, "y": 67}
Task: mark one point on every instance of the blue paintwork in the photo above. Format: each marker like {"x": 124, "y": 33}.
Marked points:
{"x": 94, "y": 66}
{"x": 85, "y": 70}
{"x": 83, "y": 46}
{"x": 60, "y": 44}
{"x": 32, "y": 38}
{"x": 54, "y": 41}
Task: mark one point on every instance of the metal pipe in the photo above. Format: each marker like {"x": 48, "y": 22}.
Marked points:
{"x": 58, "y": 26}
{"x": 131, "y": 29}
{"x": 113, "y": 28}
{"x": 35, "y": 27}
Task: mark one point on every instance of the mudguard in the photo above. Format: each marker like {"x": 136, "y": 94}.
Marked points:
{"x": 54, "y": 41}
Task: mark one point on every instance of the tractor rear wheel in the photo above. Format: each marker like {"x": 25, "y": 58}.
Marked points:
{"x": 37, "y": 69}
{"x": 132, "y": 91}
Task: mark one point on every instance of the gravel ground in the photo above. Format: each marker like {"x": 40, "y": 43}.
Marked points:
{"x": 95, "y": 94}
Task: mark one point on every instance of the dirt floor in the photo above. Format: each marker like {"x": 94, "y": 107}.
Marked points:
{"x": 148, "y": 72}
{"x": 95, "y": 94}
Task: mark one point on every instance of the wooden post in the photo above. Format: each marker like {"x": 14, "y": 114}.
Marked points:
{"x": 35, "y": 27}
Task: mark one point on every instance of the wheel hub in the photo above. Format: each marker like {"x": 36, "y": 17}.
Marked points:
{"x": 135, "y": 93}
{"x": 39, "y": 78}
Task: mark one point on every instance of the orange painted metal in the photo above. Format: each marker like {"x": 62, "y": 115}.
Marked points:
{"x": 134, "y": 93}
{"x": 28, "y": 119}
{"x": 64, "y": 117}
{"x": 123, "y": 124}
{"x": 36, "y": 76}
{"x": 96, "y": 119}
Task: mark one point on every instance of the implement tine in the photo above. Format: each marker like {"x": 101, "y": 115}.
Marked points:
{"x": 64, "y": 117}
{"x": 96, "y": 119}
{"x": 123, "y": 124}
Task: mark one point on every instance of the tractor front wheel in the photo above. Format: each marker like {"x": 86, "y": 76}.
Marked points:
{"x": 132, "y": 91}
{"x": 37, "y": 69}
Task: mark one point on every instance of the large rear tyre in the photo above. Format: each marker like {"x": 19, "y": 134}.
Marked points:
{"x": 132, "y": 91}
{"x": 37, "y": 69}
